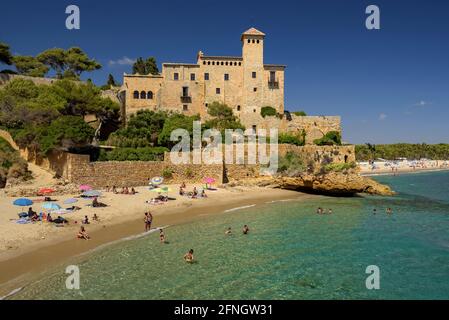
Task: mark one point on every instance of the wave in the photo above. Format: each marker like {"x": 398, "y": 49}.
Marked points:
{"x": 240, "y": 208}
{"x": 13, "y": 292}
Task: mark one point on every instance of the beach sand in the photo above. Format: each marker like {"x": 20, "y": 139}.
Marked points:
{"x": 403, "y": 167}
{"x": 29, "y": 249}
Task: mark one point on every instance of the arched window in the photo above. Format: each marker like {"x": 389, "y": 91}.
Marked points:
{"x": 249, "y": 41}
{"x": 143, "y": 95}
{"x": 257, "y": 41}
{"x": 136, "y": 94}
{"x": 150, "y": 95}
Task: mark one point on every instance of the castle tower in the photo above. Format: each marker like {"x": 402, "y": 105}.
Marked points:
{"x": 253, "y": 70}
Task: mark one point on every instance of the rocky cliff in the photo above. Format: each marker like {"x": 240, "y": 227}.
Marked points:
{"x": 334, "y": 183}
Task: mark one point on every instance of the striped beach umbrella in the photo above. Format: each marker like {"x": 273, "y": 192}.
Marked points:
{"x": 157, "y": 180}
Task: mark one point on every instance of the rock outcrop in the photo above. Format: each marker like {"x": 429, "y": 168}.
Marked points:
{"x": 334, "y": 183}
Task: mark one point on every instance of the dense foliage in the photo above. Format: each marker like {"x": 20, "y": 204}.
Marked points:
{"x": 44, "y": 117}
{"x": 11, "y": 164}
{"x": 223, "y": 118}
{"x": 297, "y": 139}
{"x": 5, "y": 54}
{"x": 338, "y": 167}
{"x": 402, "y": 150}
{"x": 299, "y": 113}
{"x": 147, "y": 66}
{"x": 291, "y": 164}
{"x": 268, "y": 111}
{"x": 329, "y": 139}
{"x": 133, "y": 154}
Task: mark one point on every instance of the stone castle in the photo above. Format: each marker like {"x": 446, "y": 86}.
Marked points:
{"x": 244, "y": 83}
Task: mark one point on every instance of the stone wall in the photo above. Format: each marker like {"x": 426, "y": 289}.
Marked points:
{"x": 5, "y": 78}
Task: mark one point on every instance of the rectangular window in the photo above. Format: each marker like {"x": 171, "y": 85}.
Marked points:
{"x": 185, "y": 107}
{"x": 192, "y": 77}
{"x": 254, "y": 75}
{"x": 254, "y": 89}
{"x": 272, "y": 76}
{"x": 226, "y": 76}
{"x": 217, "y": 91}
{"x": 206, "y": 76}
{"x": 185, "y": 91}
{"x": 176, "y": 76}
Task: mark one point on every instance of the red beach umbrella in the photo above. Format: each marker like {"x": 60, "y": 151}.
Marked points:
{"x": 46, "y": 191}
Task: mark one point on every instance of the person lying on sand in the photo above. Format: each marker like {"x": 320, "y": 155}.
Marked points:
{"x": 245, "y": 229}
{"x": 82, "y": 234}
{"x": 133, "y": 191}
{"x": 228, "y": 232}
{"x": 188, "y": 257}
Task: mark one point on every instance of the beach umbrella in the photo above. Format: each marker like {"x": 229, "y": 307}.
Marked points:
{"x": 91, "y": 193}
{"x": 51, "y": 206}
{"x": 46, "y": 191}
{"x": 162, "y": 189}
{"x": 157, "y": 180}
{"x": 85, "y": 187}
{"x": 209, "y": 180}
{"x": 70, "y": 200}
{"x": 22, "y": 202}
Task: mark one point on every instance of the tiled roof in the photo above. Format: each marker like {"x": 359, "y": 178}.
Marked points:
{"x": 253, "y": 32}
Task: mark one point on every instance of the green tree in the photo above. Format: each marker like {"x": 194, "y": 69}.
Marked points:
{"x": 30, "y": 66}
{"x": 299, "y": 113}
{"x": 148, "y": 66}
{"x": 268, "y": 111}
{"x": 78, "y": 62}
{"x": 5, "y": 54}
{"x": 176, "y": 121}
{"x": 111, "y": 81}
{"x": 223, "y": 118}
{"x": 54, "y": 58}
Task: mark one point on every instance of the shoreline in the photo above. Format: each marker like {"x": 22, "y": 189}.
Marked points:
{"x": 22, "y": 266}
{"x": 388, "y": 172}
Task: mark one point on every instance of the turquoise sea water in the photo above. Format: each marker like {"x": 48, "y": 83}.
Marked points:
{"x": 290, "y": 253}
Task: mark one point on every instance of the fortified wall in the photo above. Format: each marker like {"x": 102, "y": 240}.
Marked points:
{"x": 79, "y": 169}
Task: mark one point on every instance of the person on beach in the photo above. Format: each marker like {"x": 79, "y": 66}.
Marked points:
{"x": 148, "y": 220}
{"x": 162, "y": 235}
{"x": 82, "y": 234}
{"x": 228, "y": 232}
{"x": 86, "y": 220}
{"x": 245, "y": 229}
{"x": 95, "y": 217}
{"x": 195, "y": 193}
{"x": 188, "y": 257}
{"x": 203, "y": 194}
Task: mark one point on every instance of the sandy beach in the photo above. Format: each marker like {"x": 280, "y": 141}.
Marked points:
{"x": 28, "y": 249}
{"x": 401, "y": 167}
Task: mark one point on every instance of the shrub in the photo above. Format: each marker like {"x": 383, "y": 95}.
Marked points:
{"x": 299, "y": 113}
{"x": 291, "y": 164}
{"x": 295, "y": 139}
{"x": 189, "y": 173}
{"x": 268, "y": 111}
{"x": 329, "y": 139}
{"x": 133, "y": 154}
{"x": 339, "y": 167}
{"x": 167, "y": 173}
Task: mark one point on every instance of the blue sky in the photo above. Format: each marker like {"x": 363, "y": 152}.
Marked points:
{"x": 389, "y": 85}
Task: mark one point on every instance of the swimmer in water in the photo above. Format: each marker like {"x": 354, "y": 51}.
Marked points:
{"x": 245, "y": 229}
{"x": 228, "y": 232}
{"x": 162, "y": 235}
{"x": 374, "y": 211}
{"x": 188, "y": 257}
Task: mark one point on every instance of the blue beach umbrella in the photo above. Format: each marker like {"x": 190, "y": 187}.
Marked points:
{"x": 91, "y": 193}
{"x": 70, "y": 200}
{"x": 51, "y": 206}
{"x": 22, "y": 202}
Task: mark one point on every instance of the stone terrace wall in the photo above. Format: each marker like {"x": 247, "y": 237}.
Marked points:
{"x": 337, "y": 154}
{"x": 5, "y": 78}
{"x": 135, "y": 173}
